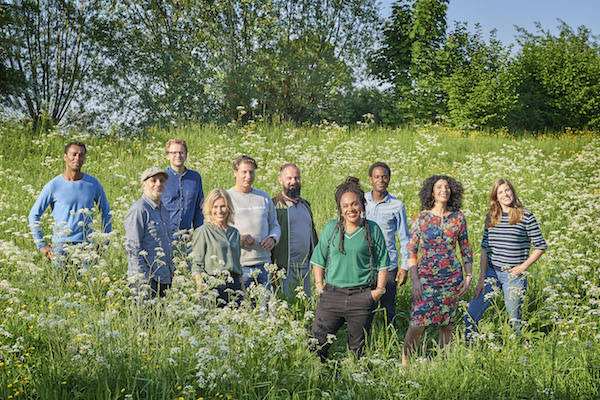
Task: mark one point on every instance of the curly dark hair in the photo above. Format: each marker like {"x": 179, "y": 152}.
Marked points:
{"x": 426, "y": 193}
{"x": 350, "y": 185}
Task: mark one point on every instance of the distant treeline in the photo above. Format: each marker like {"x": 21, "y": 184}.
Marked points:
{"x": 108, "y": 64}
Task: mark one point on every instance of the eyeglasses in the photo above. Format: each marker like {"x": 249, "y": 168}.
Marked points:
{"x": 180, "y": 153}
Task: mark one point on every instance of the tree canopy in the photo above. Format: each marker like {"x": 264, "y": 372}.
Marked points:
{"x": 139, "y": 63}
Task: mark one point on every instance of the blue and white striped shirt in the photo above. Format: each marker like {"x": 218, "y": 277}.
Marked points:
{"x": 508, "y": 245}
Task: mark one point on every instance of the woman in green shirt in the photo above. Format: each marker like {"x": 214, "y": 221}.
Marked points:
{"x": 216, "y": 247}
{"x": 350, "y": 265}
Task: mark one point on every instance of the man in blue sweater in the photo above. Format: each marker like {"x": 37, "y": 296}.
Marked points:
{"x": 71, "y": 196}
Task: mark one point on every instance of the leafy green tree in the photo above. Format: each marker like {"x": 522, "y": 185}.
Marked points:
{"x": 353, "y": 104}
{"x": 51, "y": 46}
{"x": 306, "y": 53}
{"x": 170, "y": 61}
{"x": 559, "y": 79}
{"x": 9, "y": 78}
{"x": 479, "y": 82}
{"x": 245, "y": 28}
{"x": 159, "y": 60}
{"x": 407, "y": 59}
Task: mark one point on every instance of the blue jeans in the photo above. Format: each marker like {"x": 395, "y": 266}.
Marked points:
{"x": 297, "y": 275}
{"x": 61, "y": 257}
{"x": 514, "y": 291}
{"x": 263, "y": 277}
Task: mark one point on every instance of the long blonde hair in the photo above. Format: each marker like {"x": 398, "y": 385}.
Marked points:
{"x": 209, "y": 201}
{"x": 515, "y": 214}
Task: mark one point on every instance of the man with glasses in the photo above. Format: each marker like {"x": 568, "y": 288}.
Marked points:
{"x": 183, "y": 194}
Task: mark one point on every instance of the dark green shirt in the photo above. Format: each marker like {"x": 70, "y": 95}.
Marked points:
{"x": 214, "y": 250}
{"x": 352, "y": 268}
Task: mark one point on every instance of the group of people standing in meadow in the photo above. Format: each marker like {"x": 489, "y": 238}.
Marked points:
{"x": 356, "y": 265}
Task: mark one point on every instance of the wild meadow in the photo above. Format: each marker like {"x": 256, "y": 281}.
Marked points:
{"x": 78, "y": 334}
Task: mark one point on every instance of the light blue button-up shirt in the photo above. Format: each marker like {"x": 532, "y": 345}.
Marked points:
{"x": 148, "y": 241}
{"x": 390, "y": 215}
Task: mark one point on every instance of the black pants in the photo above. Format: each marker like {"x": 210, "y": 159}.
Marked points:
{"x": 388, "y": 300}
{"x": 336, "y": 305}
{"x": 158, "y": 288}
{"x": 225, "y": 294}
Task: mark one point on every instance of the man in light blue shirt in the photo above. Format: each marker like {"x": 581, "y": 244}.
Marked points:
{"x": 71, "y": 196}
{"x": 183, "y": 195}
{"x": 390, "y": 214}
{"x": 148, "y": 237}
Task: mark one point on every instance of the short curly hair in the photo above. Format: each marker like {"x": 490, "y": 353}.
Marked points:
{"x": 426, "y": 193}
{"x": 352, "y": 185}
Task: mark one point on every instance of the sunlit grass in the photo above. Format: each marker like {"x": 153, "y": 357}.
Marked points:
{"x": 83, "y": 336}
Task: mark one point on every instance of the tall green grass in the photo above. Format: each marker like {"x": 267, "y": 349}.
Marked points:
{"x": 82, "y": 336}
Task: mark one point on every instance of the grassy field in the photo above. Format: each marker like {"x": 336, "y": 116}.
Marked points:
{"x": 82, "y": 337}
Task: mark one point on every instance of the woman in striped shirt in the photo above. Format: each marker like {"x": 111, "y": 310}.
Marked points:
{"x": 509, "y": 233}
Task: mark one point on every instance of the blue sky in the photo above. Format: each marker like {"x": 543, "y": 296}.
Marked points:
{"x": 504, "y": 14}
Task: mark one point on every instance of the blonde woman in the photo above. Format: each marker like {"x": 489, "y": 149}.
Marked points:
{"x": 509, "y": 233}
{"x": 216, "y": 245}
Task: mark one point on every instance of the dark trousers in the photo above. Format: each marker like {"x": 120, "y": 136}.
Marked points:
{"x": 158, "y": 288}
{"x": 230, "y": 292}
{"x": 336, "y": 305}
{"x": 388, "y": 300}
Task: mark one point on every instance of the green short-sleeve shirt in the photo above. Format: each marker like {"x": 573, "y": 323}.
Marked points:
{"x": 352, "y": 268}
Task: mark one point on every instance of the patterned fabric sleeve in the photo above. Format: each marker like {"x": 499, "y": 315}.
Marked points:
{"x": 485, "y": 244}
{"x": 415, "y": 237}
{"x": 534, "y": 232}
{"x": 463, "y": 242}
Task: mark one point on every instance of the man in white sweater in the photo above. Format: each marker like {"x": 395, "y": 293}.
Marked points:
{"x": 256, "y": 220}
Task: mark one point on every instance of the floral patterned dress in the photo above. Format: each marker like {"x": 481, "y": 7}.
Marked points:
{"x": 438, "y": 267}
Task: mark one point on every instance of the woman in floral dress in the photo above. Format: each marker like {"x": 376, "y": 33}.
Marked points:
{"x": 437, "y": 275}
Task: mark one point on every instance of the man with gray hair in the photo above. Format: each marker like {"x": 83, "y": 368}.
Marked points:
{"x": 298, "y": 234}
{"x": 256, "y": 220}
{"x": 148, "y": 236}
